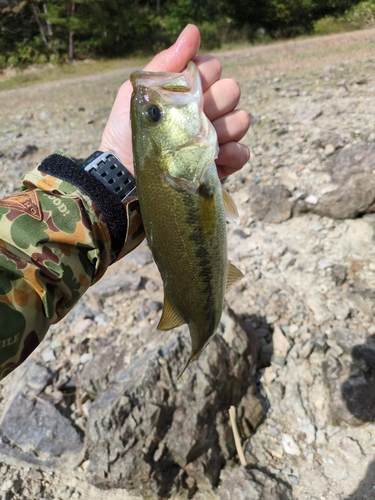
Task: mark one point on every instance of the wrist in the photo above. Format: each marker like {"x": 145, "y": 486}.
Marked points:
{"x": 111, "y": 173}
{"x": 125, "y": 159}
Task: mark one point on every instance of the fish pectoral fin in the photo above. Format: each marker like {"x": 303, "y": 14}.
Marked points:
{"x": 229, "y": 206}
{"x": 169, "y": 319}
{"x": 234, "y": 275}
{"x": 182, "y": 184}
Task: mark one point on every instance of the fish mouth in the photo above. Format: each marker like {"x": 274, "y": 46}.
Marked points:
{"x": 187, "y": 81}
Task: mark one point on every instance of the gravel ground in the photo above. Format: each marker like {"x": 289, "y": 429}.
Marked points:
{"x": 309, "y": 266}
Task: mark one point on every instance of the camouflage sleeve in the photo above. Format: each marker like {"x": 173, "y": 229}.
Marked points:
{"x": 54, "y": 243}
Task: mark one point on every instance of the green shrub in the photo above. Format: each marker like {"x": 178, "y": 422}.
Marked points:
{"x": 331, "y": 24}
{"x": 27, "y": 52}
{"x": 362, "y": 15}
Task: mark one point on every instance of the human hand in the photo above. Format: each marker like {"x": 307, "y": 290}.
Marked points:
{"x": 220, "y": 100}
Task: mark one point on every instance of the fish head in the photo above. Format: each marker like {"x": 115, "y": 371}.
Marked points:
{"x": 167, "y": 115}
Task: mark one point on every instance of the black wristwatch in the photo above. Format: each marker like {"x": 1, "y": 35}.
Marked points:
{"x": 111, "y": 173}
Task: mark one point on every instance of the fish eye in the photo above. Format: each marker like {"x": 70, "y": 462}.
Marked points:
{"x": 153, "y": 113}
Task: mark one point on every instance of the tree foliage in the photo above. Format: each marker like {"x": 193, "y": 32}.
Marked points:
{"x": 284, "y": 18}
{"x": 55, "y": 30}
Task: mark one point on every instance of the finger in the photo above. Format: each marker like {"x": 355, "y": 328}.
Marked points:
{"x": 232, "y": 157}
{"x": 176, "y": 57}
{"x": 210, "y": 70}
{"x": 173, "y": 59}
{"x": 221, "y": 98}
{"x": 232, "y": 127}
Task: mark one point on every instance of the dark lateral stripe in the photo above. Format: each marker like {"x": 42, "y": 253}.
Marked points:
{"x": 204, "y": 261}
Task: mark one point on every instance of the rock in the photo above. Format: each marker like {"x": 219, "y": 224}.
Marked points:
{"x": 348, "y": 340}
{"x": 329, "y": 149}
{"x": 356, "y": 196}
{"x": 339, "y": 274}
{"x": 33, "y": 432}
{"x": 251, "y": 411}
{"x": 317, "y": 305}
{"x": 312, "y": 199}
{"x": 289, "y": 445}
{"x": 27, "y": 151}
{"x": 270, "y": 203}
{"x": 149, "y": 422}
{"x": 361, "y": 81}
{"x": 335, "y": 139}
{"x": 307, "y": 115}
{"x": 246, "y": 484}
{"x": 281, "y": 346}
{"x": 354, "y": 159}
{"x": 139, "y": 257}
{"x": 7, "y": 485}
{"x": 352, "y": 394}
{"x": 111, "y": 284}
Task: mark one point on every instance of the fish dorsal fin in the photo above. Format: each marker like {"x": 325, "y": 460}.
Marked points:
{"x": 169, "y": 319}
{"x": 234, "y": 275}
{"x": 229, "y": 206}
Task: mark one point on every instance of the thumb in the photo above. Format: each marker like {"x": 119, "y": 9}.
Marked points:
{"x": 176, "y": 57}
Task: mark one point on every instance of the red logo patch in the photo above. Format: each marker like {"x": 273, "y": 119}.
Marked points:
{"x": 26, "y": 202}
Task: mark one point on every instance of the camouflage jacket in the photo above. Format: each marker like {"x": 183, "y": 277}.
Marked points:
{"x": 57, "y": 237}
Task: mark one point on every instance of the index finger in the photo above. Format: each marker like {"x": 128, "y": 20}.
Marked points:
{"x": 210, "y": 70}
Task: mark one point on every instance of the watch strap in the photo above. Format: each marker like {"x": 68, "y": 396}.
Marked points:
{"x": 108, "y": 170}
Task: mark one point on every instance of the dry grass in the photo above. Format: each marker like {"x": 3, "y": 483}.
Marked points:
{"x": 302, "y": 54}
{"x": 14, "y": 78}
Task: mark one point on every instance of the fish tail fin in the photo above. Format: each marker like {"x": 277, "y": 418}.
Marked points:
{"x": 193, "y": 357}
{"x": 183, "y": 371}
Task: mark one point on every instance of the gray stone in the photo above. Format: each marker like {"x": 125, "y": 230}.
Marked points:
{"x": 354, "y": 159}
{"x": 317, "y": 306}
{"x": 271, "y": 203}
{"x": 356, "y": 196}
{"x": 112, "y": 284}
{"x": 154, "y": 426}
{"x": 307, "y": 115}
{"x": 140, "y": 257}
{"x": 246, "y": 484}
{"x": 339, "y": 274}
{"x": 337, "y": 140}
{"x": 30, "y": 149}
{"x": 32, "y": 431}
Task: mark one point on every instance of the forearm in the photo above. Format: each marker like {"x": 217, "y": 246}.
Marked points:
{"x": 55, "y": 242}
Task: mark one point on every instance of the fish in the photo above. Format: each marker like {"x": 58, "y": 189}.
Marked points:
{"x": 183, "y": 204}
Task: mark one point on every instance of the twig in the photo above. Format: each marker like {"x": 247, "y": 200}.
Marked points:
{"x": 236, "y": 435}
{"x": 78, "y": 391}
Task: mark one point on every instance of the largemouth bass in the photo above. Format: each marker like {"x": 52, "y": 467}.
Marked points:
{"x": 182, "y": 201}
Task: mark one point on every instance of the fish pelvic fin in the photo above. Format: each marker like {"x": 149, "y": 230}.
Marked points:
{"x": 234, "y": 275}
{"x": 170, "y": 318}
{"x": 229, "y": 206}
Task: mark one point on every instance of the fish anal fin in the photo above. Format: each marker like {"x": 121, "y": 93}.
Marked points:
{"x": 170, "y": 318}
{"x": 229, "y": 206}
{"x": 234, "y": 274}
